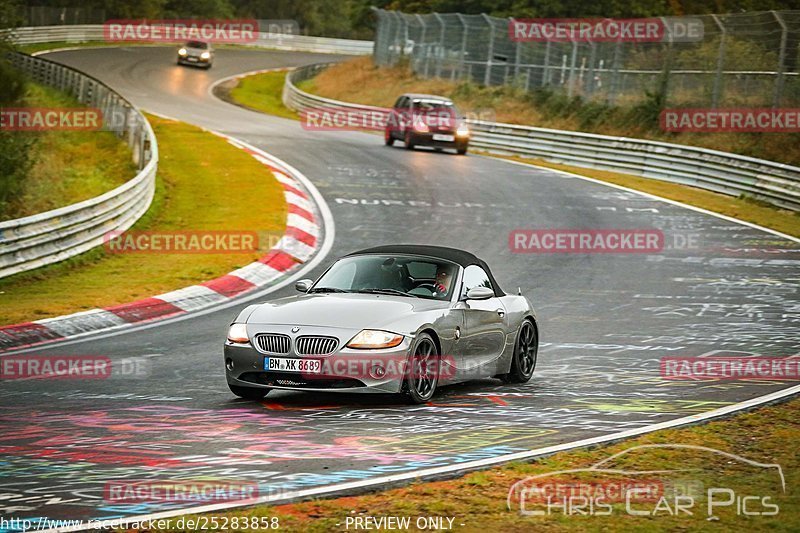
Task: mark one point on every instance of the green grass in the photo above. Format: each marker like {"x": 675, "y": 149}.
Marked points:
{"x": 478, "y": 500}
{"x": 204, "y": 183}
{"x": 262, "y": 92}
{"x": 69, "y": 166}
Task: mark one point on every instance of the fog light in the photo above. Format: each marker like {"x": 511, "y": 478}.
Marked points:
{"x": 229, "y": 364}
{"x": 377, "y": 371}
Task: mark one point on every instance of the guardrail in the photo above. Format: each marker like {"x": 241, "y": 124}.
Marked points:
{"x": 94, "y": 32}
{"x": 722, "y": 172}
{"x": 53, "y": 236}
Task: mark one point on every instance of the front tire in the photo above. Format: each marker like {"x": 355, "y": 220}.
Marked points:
{"x": 248, "y": 393}
{"x": 525, "y": 354}
{"x": 387, "y": 137}
{"x": 409, "y": 143}
{"x": 461, "y": 150}
{"x": 422, "y": 375}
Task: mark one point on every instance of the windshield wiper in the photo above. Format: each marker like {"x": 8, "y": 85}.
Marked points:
{"x": 326, "y": 289}
{"x": 387, "y": 291}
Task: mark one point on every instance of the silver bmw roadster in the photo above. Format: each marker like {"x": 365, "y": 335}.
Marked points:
{"x": 399, "y": 319}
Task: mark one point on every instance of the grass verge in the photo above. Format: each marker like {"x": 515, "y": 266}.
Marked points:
{"x": 204, "y": 183}
{"x": 260, "y": 92}
{"x": 69, "y": 166}
{"x": 478, "y": 500}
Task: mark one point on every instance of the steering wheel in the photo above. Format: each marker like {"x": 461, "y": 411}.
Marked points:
{"x": 433, "y": 287}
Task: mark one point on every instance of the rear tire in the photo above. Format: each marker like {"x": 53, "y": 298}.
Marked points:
{"x": 526, "y": 351}
{"x": 422, "y": 374}
{"x": 248, "y": 393}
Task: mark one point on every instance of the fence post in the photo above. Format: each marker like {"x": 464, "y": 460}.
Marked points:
{"x": 776, "y": 98}
{"x": 589, "y": 83}
{"x": 487, "y": 78}
{"x": 441, "y": 48}
{"x": 717, "y": 88}
{"x": 463, "y": 44}
{"x": 613, "y": 87}
{"x": 571, "y": 77}
{"x": 422, "y": 48}
{"x": 546, "y": 68}
{"x": 664, "y": 84}
{"x": 517, "y": 51}
{"x": 398, "y": 47}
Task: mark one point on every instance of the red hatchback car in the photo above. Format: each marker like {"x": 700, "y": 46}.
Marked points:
{"x": 427, "y": 120}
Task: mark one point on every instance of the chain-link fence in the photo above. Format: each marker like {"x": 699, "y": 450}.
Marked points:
{"x": 743, "y": 59}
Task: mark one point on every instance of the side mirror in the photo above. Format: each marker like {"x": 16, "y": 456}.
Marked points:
{"x": 303, "y": 285}
{"x": 480, "y": 293}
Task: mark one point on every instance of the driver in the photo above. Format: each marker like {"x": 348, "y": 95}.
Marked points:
{"x": 443, "y": 280}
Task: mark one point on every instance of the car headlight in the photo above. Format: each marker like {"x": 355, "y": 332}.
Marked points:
{"x": 238, "y": 333}
{"x": 373, "y": 339}
{"x": 462, "y": 131}
{"x": 182, "y": 52}
{"x": 205, "y": 55}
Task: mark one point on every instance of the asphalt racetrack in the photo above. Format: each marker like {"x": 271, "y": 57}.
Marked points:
{"x": 606, "y": 321}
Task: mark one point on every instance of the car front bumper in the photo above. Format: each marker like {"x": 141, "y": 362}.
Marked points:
{"x": 426, "y": 139}
{"x": 346, "y": 370}
{"x": 193, "y": 60}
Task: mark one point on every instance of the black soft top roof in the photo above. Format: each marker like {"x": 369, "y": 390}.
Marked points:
{"x": 454, "y": 255}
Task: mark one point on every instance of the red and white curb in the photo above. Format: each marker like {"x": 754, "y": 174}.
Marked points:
{"x": 299, "y": 243}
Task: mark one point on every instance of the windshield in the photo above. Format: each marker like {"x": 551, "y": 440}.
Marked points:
{"x": 411, "y": 276}
{"x": 436, "y": 113}
{"x": 197, "y": 44}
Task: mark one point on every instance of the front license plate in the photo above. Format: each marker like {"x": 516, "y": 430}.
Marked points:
{"x": 193, "y": 59}
{"x": 277, "y": 364}
{"x": 440, "y": 137}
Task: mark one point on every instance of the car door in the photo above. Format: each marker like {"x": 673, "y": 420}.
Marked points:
{"x": 483, "y": 338}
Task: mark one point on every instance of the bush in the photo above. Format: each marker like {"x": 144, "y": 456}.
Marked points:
{"x": 15, "y": 146}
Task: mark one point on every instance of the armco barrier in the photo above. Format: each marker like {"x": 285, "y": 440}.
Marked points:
{"x": 53, "y": 236}
{"x": 713, "y": 170}
{"x": 94, "y": 32}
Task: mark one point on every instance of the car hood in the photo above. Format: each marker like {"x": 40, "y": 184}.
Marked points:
{"x": 341, "y": 310}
